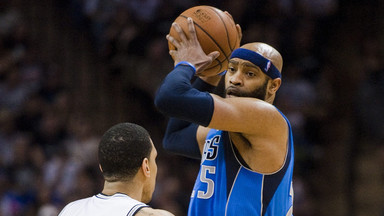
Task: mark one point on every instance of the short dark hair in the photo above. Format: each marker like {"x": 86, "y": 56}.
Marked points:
{"x": 122, "y": 149}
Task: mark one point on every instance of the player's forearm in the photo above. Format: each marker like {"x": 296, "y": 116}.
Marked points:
{"x": 180, "y": 136}
{"x": 177, "y": 98}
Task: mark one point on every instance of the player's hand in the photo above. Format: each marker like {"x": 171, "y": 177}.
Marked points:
{"x": 239, "y": 32}
{"x": 189, "y": 48}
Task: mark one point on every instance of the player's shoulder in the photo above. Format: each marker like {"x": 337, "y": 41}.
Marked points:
{"x": 74, "y": 205}
{"x": 281, "y": 114}
{"x": 102, "y": 204}
{"x": 79, "y": 202}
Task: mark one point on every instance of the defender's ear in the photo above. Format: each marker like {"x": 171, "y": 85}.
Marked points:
{"x": 145, "y": 167}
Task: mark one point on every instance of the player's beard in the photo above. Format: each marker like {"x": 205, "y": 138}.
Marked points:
{"x": 258, "y": 93}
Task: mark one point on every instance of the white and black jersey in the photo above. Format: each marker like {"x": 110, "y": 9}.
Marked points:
{"x": 100, "y": 205}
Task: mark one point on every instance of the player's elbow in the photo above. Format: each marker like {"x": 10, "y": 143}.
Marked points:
{"x": 160, "y": 103}
{"x": 170, "y": 101}
{"x": 163, "y": 100}
{"x": 167, "y": 144}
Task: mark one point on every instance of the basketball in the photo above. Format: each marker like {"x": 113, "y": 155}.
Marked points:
{"x": 215, "y": 30}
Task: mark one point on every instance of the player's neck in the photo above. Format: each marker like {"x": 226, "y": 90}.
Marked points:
{"x": 132, "y": 190}
{"x": 270, "y": 99}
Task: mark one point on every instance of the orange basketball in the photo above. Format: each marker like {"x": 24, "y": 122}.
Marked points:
{"x": 215, "y": 30}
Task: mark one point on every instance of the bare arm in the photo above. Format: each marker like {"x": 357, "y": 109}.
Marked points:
{"x": 246, "y": 115}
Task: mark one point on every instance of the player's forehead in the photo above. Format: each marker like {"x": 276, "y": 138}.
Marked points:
{"x": 242, "y": 62}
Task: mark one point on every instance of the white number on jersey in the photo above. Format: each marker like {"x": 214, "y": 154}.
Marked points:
{"x": 210, "y": 183}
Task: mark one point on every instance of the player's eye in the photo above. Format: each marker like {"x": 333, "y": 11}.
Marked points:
{"x": 250, "y": 74}
{"x": 231, "y": 69}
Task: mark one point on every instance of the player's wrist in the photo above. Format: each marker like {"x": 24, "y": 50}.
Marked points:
{"x": 186, "y": 63}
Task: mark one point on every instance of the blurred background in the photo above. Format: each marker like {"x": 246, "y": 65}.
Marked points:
{"x": 70, "y": 69}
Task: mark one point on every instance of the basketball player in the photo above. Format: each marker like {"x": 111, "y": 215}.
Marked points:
{"x": 244, "y": 142}
{"x": 127, "y": 159}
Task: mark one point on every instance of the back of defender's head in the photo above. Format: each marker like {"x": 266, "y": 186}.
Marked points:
{"x": 122, "y": 150}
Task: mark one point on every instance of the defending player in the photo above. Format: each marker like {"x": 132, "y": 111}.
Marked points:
{"x": 245, "y": 143}
{"x": 127, "y": 160}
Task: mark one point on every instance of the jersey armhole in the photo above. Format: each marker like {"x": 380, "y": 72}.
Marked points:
{"x": 136, "y": 209}
{"x": 239, "y": 157}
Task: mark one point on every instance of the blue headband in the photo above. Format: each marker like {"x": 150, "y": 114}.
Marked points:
{"x": 264, "y": 64}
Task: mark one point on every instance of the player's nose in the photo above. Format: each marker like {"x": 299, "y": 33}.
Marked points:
{"x": 235, "y": 79}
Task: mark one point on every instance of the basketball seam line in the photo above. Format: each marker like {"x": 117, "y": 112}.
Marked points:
{"x": 226, "y": 31}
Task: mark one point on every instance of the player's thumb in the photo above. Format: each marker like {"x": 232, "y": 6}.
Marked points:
{"x": 172, "y": 53}
{"x": 214, "y": 55}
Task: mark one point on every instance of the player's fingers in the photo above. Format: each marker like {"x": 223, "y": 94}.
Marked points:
{"x": 239, "y": 32}
{"x": 173, "y": 41}
{"x": 192, "y": 30}
{"x": 180, "y": 32}
{"x": 228, "y": 14}
{"x": 214, "y": 55}
{"x": 238, "y": 28}
{"x": 172, "y": 53}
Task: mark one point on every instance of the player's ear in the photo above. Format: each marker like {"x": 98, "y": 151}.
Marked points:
{"x": 145, "y": 167}
{"x": 274, "y": 85}
{"x": 101, "y": 168}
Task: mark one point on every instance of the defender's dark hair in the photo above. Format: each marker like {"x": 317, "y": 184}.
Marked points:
{"x": 122, "y": 150}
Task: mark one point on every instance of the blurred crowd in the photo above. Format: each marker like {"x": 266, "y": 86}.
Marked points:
{"x": 48, "y": 149}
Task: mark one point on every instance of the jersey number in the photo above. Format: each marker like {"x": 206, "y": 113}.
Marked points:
{"x": 210, "y": 183}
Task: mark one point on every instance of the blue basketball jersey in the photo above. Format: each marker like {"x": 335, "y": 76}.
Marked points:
{"x": 224, "y": 187}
